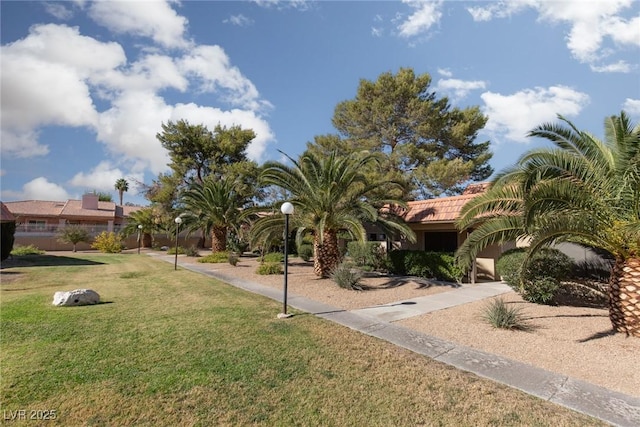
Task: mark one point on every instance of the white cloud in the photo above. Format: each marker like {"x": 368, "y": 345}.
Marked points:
{"x": 52, "y": 76}
{"x": 632, "y": 107}
{"x": 618, "y": 67}
{"x": 499, "y": 9}
{"x": 21, "y": 143}
{"x": 45, "y": 81}
{"x": 103, "y": 178}
{"x": 239, "y": 20}
{"x": 591, "y": 24}
{"x": 211, "y": 65}
{"x": 284, "y": 4}
{"x": 58, "y": 10}
{"x": 427, "y": 14}
{"x": 41, "y": 189}
{"x": 445, "y": 72}
{"x": 377, "y": 32}
{"x": 153, "y": 19}
{"x": 513, "y": 116}
{"x": 458, "y": 89}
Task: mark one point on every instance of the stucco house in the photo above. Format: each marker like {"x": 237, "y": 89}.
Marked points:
{"x": 38, "y": 221}
{"x": 433, "y": 221}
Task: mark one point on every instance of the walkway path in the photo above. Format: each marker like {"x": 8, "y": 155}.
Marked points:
{"x": 613, "y": 407}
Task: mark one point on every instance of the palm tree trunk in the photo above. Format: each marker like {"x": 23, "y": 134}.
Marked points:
{"x": 624, "y": 296}
{"x": 147, "y": 240}
{"x": 218, "y": 239}
{"x": 326, "y": 254}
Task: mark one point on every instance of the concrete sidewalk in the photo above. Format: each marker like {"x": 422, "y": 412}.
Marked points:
{"x": 613, "y": 407}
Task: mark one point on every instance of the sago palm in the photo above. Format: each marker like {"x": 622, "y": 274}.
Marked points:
{"x": 583, "y": 190}
{"x": 330, "y": 195}
{"x": 213, "y": 206}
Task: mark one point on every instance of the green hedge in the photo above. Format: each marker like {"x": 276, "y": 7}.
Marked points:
{"x": 7, "y": 233}
{"x": 437, "y": 265}
{"x": 537, "y": 280}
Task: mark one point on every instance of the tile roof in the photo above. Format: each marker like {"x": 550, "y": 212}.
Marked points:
{"x": 443, "y": 209}
{"x": 68, "y": 209}
{"x": 74, "y": 208}
{"x": 35, "y": 208}
{"x": 7, "y": 216}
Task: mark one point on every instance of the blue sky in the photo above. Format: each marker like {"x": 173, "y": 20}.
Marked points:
{"x": 87, "y": 85}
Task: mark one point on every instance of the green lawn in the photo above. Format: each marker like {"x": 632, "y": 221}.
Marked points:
{"x": 174, "y": 348}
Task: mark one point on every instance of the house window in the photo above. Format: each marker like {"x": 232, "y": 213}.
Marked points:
{"x": 37, "y": 225}
{"x": 440, "y": 241}
{"x": 377, "y": 237}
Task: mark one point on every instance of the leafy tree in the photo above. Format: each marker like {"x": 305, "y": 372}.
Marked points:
{"x": 197, "y": 153}
{"x": 429, "y": 146}
{"x": 103, "y": 196}
{"x": 74, "y": 234}
{"x": 122, "y": 186}
{"x": 583, "y": 190}
{"x": 215, "y": 207}
{"x": 330, "y": 195}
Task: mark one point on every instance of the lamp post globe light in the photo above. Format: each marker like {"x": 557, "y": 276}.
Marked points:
{"x": 139, "y": 237}
{"x": 178, "y": 221}
{"x": 286, "y": 209}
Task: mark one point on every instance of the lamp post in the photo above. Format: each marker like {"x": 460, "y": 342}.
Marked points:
{"x": 286, "y": 209}
{"x": 139, "y": 237}
{"x": 178, "y": 221}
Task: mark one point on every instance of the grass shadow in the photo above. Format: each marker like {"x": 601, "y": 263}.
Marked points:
{"x": 44, "y": 261}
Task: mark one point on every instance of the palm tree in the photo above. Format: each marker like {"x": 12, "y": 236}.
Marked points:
{"x": 151, "y": 222}
{"x": 214, "y": 206}
{"x": 585, "y": 191}
{"x": 330, "y": 195}
{"x": 121, "y": 185}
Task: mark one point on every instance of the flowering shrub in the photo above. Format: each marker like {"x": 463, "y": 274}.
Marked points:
{"x": 108, "y": 242}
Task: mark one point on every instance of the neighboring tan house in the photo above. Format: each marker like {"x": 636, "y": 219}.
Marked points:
{"x": 433, "y": 221}
{"x": 38, "y": 221}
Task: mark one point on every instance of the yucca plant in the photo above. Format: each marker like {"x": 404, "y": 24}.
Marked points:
{"x": 503, "y": 316}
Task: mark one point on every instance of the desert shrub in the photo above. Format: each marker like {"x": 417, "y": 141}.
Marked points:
{"x": 347, "y": 277}
{"x": 215, "y": 258}
{"x": 7, "y": 237}
{"x": 108, "y": 242}
{"x": 367, "y": 254}
{"x": 541, "y": 290}
{"x": 73, "y": 234}
{"x": 192, "y": 251}
{"x": 272, "y": 257}
{"x": 500, "y": 315}
{"x": 270, "y": 268}
{"x": 538, "y": 279}
{"x": 305, "y": 251}
{"x": 20, "y": 250}
{"x": 509, "y": 267}
{"x": 437, "y": 265}
{"x": 233, "y": 258}
{"x": 172, "y": 250}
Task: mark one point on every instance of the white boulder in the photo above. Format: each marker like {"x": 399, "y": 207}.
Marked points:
{"x": 76, "y": 297}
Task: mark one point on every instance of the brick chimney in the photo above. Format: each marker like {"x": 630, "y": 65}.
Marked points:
{"x": 90, "y": 201}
